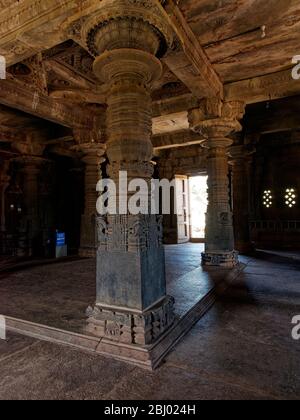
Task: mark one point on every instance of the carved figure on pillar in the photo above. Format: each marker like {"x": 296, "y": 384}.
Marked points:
{"x": 216, "y": 121}
{"x": 128, "y": 38}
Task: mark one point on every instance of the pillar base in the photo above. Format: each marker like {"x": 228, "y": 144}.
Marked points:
{"x": 220, "y": 259}
{"x": 131, "y": 327}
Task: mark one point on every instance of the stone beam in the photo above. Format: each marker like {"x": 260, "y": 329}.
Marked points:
{"x": 22, "y": 24}
{"x": 180, "y": 139}
{"x": 170, "y": 123}
{"x": 13, "y": 94}
{"x": 8, "y": 135}
{"x": 173, "y": 105}
{"x": 189, "y": 62}
{"x": 88, "y": 96}
{"x": 264, "y": 88}
{"x": 68, "y": 74}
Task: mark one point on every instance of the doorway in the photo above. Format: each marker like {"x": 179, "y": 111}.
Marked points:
{"x": 198, "y": 207}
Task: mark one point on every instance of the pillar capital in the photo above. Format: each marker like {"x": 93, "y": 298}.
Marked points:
{"x": 127, "y": 24}
{"x": 126, "y": 65}
{"x": 29, "y": 147}
{"x": 240, "y": 154}
{"x": 92, "y": 153}
{"x": 88, "y": 144}
{"x": 4, "y": 177}
{"x": 31, "y": 164}
{"x": 216, "y": 120}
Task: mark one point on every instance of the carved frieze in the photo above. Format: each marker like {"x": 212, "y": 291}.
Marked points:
{"x": 132, "y": 328}
{"x": 130, "y": 233}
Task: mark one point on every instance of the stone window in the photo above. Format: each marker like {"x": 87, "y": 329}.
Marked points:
{"x": 290, "y": 197}
{"x": 268, "y": 199}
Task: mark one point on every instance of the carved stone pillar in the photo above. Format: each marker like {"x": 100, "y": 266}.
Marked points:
{"x": 31, "y": 160}
{"x": 170, "y": 222}
{"x": 240, "y": 159}
{"x": 31, "y": 223}
{"x": 93, "y": 158}
{"x": 4, "y": 183}
{"x": 131, "y": 307}
{"x": 216, "y": 121}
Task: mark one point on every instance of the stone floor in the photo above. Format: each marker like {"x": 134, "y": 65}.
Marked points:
{"x": 57, "y": 295}
{"x": 241, "y": 349}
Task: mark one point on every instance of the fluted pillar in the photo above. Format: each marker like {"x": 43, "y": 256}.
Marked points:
{"x": 216, "y": 121}
{"x": 240, "y": 159}
{"x": 131, "y": 306}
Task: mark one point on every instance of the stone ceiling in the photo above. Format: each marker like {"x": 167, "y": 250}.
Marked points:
{"x": 232, "y": 34}
{"x": 237, "y": 49}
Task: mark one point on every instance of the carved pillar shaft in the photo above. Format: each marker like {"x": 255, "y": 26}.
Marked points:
{"x": 91, "y": 178}
{"x": 30, "y": 190}
{"x": 240, "y": 163}
{"x": 216, "y": 121}
{"x": 4, "y": 183}
{"x": 131, "y": 306}
{"x": 93, "y": 157}
{"x": 129, "y": 119}
{"x": 31, "y": 220}
{"x": 219, "y": 232}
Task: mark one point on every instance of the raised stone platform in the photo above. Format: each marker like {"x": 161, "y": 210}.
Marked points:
{"x": 49, "y": 303}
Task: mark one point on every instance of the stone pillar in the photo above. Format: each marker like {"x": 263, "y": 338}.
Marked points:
{"x": 4, "y": 183}
{"x": 31, "y": 221}
{"x": 240, "y": 160}
{"x": 216, "y": 121}
{"x": 92, "y": 158}
{"x": 131, "y": 307}
{"x": 31, "y": 150}
{"x": 170, "y": 222}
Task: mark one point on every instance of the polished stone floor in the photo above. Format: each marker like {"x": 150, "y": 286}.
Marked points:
{"x": 241, "y": 349}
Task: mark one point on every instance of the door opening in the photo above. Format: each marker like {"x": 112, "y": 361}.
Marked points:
{"x": 198, "y": 207}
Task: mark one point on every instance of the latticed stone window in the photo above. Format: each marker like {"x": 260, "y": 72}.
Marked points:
{"x": 290, "y": 197}
{"x": 268, "y": 199}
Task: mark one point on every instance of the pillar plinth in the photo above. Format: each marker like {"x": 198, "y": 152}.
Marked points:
{"x": 131, "y": 303}
{"x": 215, "y": 121}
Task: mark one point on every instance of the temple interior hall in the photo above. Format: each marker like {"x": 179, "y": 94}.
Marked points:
{"x": 199, "y": 300}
